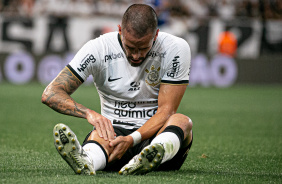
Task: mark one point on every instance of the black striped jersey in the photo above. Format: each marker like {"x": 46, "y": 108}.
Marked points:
{"x": 129, "y": 95}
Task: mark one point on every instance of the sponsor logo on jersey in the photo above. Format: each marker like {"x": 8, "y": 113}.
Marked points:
{"x": 152, "y": 77}
{"x": 135, "y": 86}
{"x": 113, "y": 56}
{"x": 127, "y": 109}
{"x": 124, "y": 104}
{"x": 175, "y": 68}
{"x": 132, "y": 105}
{"x": 111, "y": 79}
{"x": 85, "y": 62}
{"x": 189, "y": 70}
{"x": 135, "y": 113}
{"x": 157, "y": 54}
{"x": 118, "y": 122}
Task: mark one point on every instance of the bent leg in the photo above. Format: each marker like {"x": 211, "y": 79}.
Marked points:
{"x": 105, "y": 144}
{"x": 98, "y": 150}
{"x": 168, "y": 148}
{"x": 176, "y": 137}
{"x": 183, "y": 122}
{"x": 93, "y": 137}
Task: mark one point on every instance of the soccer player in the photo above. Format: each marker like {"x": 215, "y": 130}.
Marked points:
{"x": 141, "y": 75}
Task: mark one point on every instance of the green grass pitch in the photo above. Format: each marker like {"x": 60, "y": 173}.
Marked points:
{"x": 237, "y": 137}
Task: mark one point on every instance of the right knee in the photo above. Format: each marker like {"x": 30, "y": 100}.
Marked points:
{"x": 105, "y": 144}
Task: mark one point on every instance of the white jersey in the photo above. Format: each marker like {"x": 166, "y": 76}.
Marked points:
{"x": 129, "y": 95}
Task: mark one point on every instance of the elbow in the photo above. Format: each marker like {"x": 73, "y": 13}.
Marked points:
{"x": 45, "y": 96}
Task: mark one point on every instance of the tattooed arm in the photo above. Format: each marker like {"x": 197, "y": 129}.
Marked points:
{"x": 57, "y": 96}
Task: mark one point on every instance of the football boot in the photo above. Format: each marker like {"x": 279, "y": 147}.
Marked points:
{"x": 71, "y": 151}
{"x": 146, "y": 161}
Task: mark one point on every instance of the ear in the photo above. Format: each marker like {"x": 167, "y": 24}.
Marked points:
{"x": 157, "y": 33}
{"x": 119, "y": 29}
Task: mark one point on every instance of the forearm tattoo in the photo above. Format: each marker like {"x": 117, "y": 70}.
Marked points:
{"x": 57, "y": 95}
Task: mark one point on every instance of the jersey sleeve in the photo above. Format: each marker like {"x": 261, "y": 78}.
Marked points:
{"x": 85, "y": 62}
{"x": 178, "y": 66}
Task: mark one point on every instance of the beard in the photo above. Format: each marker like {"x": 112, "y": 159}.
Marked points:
{"x": 135, "y": 63}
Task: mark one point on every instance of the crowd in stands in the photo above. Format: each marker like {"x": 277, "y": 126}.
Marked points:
{"x": 226, "y": 9}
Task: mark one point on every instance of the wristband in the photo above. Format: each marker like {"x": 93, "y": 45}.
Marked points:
{"x": 136, "y": 137}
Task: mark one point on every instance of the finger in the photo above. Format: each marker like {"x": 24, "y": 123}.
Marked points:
{"x": 116, "y": 154}
{"x": 110, "y": 131}
{"x": 113, "y": 130}
{"x": 110, "y": 135}
{"x": 98, "y": 128}
{"x": 112, "y": 156}
{"x": 115, "y": 142}
{"x": 103, "y": 130}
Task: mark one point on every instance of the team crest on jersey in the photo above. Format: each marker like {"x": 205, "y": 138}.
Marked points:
{"x": 153, "y": 76}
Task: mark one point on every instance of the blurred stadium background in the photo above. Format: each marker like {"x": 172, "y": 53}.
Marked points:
{"x": 232, "y": 42}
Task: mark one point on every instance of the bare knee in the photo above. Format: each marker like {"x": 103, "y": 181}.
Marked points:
{"x": 182, "y": 121}
{"x": 105, "y": 144}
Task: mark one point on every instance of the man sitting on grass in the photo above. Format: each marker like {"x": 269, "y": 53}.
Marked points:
{"x": 141, "y": 75}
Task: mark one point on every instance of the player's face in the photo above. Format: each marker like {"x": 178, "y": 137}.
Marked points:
{"x": 136, "y": 49}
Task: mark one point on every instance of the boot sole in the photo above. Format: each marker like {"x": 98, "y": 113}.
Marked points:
{"x": 149, "y": 159}
{"x": 68, "y": 147}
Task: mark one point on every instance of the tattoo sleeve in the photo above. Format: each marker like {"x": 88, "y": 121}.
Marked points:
{"x": 57, "y": 95}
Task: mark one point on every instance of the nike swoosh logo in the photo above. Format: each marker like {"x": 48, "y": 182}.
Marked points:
{"x": 111, "y": 80}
